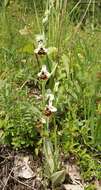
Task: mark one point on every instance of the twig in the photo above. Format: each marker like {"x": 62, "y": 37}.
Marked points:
{"x": 79, "y": 24}
{"x": 22, "y": 182}
{"x": 23, "y": 85}
{"x": 7, "y": 179}
{"x": 74, "y": 7}
{"x": 1, "y": 182}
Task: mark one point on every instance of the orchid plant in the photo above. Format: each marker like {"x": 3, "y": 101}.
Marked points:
{"x": 50, "y": 149}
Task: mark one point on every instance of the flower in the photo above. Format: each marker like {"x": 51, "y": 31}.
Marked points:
{"x": 40, "y": 123}
{"x": 40, "y": 38}
{"x": 44, "y": 74}
{"x": 41, "y": 50}
{"x": 50, "y": 109}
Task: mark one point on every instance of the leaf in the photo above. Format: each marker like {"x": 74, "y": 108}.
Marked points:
{"x": 22, "y": 168}
{"x": 58, "y": 177}
{"x": 77, "y": 87}
{"x": 1, "y": 134}
{"x": 6, "y": 2}
{"x": 97, "y": 134}
{"x": 28, "y": 48}
{"x": 35, "y": 110}
{"x": 49, "y": 155}
{"x": 65, "y": 61}
{"x": 54, "y": 68}
{"x": 52, "y": 53}
{"x": 72, "y": 94}
{"x": 74, "y": 173}
{"x": 2, "y": 83}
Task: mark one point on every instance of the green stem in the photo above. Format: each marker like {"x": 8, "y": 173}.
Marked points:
{"x": 56, "y": 154}
{"x": 37, "y": 60}
{"x": 43, "y": 93}
{"x": 55, "y": 132}
{"x": 47, "y": 125}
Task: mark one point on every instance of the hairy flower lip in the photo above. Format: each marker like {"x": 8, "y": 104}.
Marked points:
{"x": 41, "y": 50}
{"x": 49, "y": 110}
{"x": 44, "y": 74}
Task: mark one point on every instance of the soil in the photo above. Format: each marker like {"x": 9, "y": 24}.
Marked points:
{"x": 7, "y": 179}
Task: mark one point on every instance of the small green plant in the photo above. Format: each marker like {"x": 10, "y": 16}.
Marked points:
{"x": 90, "y": 187}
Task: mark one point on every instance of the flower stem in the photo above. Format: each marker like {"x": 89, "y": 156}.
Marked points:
{"x": 43, "y": 93}
{"x": 55, "y": 132}
{"x": 56, "y": 153}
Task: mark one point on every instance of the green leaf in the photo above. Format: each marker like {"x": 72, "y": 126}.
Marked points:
{"x": 97, "y": 135}
{"x": 65, "y": 61}
{"x": 49, "y": 155}
{"x": 58, "y": 178}
{"x": 6, "y": 2}
{"x": 28, "y": 48}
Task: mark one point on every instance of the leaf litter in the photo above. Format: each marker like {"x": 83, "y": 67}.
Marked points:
{"x": 20, "y": 170}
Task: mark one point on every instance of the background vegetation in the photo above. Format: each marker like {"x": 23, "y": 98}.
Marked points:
{"x": 78, "y": 101}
